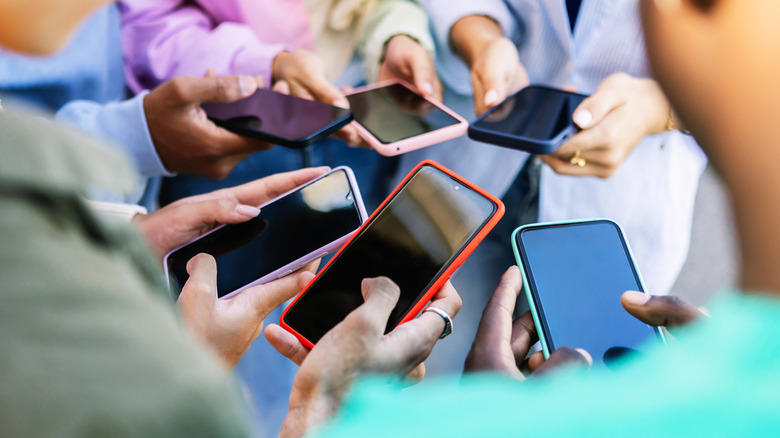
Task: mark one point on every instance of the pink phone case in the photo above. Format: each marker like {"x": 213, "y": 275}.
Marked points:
{"x": 416, "y": 142}
{"x": 303, "y": 261}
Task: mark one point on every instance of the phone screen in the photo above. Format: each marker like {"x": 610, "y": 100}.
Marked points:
{"x": 278, "y": 115}
{"x": 395, "y": 113}
{"x": 411, "y": 240}
{"x": 577, "y": 273}
{"x": 286, "y": 230}
{"x": 538, "y": 113}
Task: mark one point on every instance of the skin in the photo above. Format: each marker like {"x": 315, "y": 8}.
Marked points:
{"x": 732, "y": 110}
{"x": 614, "y": 119}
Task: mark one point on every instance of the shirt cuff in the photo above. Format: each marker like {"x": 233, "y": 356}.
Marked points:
{"x": 122, "y": 123}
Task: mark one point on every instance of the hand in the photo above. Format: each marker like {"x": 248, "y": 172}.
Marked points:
{"x": 407, "y": 60}
{"x": 185, "y": 139}
{"x": 669, "y": 312}
{"x": 502, "y": 345}
{"x": 496, "y": 71}
{"x": 188, "y": 218}
{"x": 357, "y": 346}
{"x": 305, "y": 76}
{"x": 621, "y": 112}
{"x": 230, "y": 326}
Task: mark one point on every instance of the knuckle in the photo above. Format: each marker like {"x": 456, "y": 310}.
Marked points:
{"x": 178, "y": 87}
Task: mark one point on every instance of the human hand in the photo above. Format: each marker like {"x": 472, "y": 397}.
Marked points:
{"x": 357, "y": 346}
{"x": 496, "y": 71}
{"x": 407, "y": 60}
{"x": 180, "y": 222}
{"x": 230, "y": 326}
{"x": 621, "y": 112}
{"x": 501, "y": 345}
{"x": 670, "y": 312}
{"x": 185, "y": 139}
{"x": 305, "y": 76}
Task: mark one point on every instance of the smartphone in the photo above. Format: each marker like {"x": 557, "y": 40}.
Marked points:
{"x": 292, "y": 230}
{"x": 418, "y": 237}
{"x": 573, "y": 276}
{"x": 536, "y": 119}
{"x": 394, "y": 118}
{"x": 278, "y": 118}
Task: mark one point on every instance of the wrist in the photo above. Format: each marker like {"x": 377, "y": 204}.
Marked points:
{"x": 308, "y": 411}
{"x": 471, "y": 35}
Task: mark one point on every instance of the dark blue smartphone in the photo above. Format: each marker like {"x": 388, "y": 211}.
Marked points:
{"x": 536, "y": 119}
{"x": 278, "y": 118}
{"x": 573, "y": 275}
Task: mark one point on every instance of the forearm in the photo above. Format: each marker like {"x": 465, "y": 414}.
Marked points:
{"x": 470, "y": 35}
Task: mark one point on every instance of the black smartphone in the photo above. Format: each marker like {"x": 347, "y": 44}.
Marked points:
{"x": 536, "y": 119}
{"x": 292, "y": 230}
{"x": 278, "y": 118}
{"x": 574, "y": 274}
{"x": 417, "y": 238}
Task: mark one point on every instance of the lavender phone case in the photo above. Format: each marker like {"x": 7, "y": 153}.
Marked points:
{"x": 304, "y": 260}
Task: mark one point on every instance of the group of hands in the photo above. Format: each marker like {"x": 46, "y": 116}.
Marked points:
{"x": 358, "y": 345}
{"x": 613, "y": 120}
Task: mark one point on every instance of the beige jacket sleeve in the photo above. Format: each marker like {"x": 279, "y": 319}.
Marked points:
{"x": 391, "y": 18}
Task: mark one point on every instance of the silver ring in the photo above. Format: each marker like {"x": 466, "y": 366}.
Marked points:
{"x": 447, "y": 320}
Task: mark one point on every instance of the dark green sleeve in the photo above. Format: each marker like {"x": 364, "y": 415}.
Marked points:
{"x": 89, "y": 344}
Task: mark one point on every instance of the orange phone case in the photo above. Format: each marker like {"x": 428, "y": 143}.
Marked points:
{"x": 443, "y": 277}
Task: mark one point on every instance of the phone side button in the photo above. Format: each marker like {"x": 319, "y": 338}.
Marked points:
{"x": 286, "y": 273}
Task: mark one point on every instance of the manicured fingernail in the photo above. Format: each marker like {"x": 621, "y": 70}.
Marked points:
{"x": 247, "y": 85}
{"x": 491, "y": 97}
{"x": 341, "y": 103}
{"x": 247, "y": 210}
{"x": 427, "y": 88}
{"x": 583, "y": 118}
{"x": 636, "y": 298}
{"x": 586, "y": 355}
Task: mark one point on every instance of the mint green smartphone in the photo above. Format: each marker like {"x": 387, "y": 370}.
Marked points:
{"x": 574, "y": 273}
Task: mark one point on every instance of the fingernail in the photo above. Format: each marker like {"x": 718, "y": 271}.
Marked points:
{"x": 427, "y": 88}
{"x": 247, "y": 85}
{"x": 247, "y": 210}
{"x": 636, "y": 298}
{"x": 491, "y": 97}
{"x": 341, "y": 103}
{"x": 586, "y": 355}
{"x": 583, "y": 118}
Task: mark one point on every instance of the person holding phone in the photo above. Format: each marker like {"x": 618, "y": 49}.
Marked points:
{"x": 635, "y": 171}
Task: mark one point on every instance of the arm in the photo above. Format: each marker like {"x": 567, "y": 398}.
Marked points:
{"x": 168, "y": 38}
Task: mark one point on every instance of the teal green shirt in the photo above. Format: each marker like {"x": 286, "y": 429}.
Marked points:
{"x": 720, "y": 377}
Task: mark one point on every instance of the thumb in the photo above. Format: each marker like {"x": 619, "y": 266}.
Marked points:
{"x": 200, "y": 291}
{"x": 214, "y": 89}
{"x": 608, "y": 96}
{"x": 658, "y": 310}
{"x": 381, "y": 295}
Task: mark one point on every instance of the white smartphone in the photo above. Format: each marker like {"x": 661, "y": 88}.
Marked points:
{"x": 292, "y": 230}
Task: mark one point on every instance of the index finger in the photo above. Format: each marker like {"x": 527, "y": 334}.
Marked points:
{"x": 263, "y": 190}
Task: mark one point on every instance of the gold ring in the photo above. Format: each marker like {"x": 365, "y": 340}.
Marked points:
{"x": 577, "y": 160}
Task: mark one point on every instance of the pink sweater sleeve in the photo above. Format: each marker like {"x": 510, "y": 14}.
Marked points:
{"x": 162, "y": 39}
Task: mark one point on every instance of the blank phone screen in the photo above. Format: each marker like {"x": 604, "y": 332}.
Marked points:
{"x": 577, "y": 273}
{"x": 411, "y": 240}
{"x": 278, "y": 115}
{"x": 286, "y": 230}
{"x": 395, "y": 113}
{"x": 538, "y": 113}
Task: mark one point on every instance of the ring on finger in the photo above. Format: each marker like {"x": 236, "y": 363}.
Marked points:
{"x": 577, "y": 160}
{"x": 445, "y": 316}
